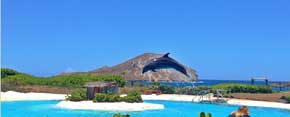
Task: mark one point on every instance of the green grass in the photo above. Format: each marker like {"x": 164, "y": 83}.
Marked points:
{"x": 70, "y": 80}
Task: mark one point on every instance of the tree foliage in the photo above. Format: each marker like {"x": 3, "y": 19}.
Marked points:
{"x": 120, "y": 115}
{"x": 107, "y": 97}
{"x": 163, "y": 88}
{"x": 132, "y": 97}
{"x": 77, "y": 95}
{"x": 7, "y": 72}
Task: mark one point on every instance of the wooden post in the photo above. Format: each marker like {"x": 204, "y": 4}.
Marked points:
{"x": 88, "y": 93}
{"x": 252, "y": 81}
{"x": 280, "y": 86}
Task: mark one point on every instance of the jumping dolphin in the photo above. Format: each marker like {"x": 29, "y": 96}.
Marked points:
{"x": 164, "y": 62}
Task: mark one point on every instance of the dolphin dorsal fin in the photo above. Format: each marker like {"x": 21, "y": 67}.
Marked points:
{"x": 166, "y": 55}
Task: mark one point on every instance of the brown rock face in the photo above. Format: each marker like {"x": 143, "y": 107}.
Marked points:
{"x": 132, "y": 70}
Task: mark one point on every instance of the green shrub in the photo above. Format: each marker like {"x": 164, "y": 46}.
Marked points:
{"x": 7, "y": 72}
{"x": 154, "y": 86}
{"x": 78, "y": 80}
{"x": 208, "y": 115}
{"x": 77, "y": 95}
{"x": 288, "y": 99}
{"x": 202, "y": 114}
{"x": 228, "y": 87}
{"x": 120, "y": 115}
{"x": 100, "y": 97}
{"x": 103, "y": 97}
{"x": 163, "y": 88}
{"x": 20, "y": 79}
{"x": 114, "y": 98}
{"x": 192, "y": 90}
{"x": 131, "y": 97}
{"x": 156, "y": 83}
{"x": 167, "y": 89}
{"x": 243, "y": 88}
{"x": 134, "y": 96}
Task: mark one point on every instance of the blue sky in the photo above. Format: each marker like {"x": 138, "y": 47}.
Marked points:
{"x": 221, "y": 39}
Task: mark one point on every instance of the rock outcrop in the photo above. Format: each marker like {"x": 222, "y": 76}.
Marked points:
{"x": 132, "y": 70}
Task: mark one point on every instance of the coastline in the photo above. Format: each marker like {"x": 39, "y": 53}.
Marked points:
{"x": 16, "y": 96}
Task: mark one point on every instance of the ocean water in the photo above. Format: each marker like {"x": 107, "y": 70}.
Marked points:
{"x": 210, "y": 83}
{"x": 202, "y": 82}
{"x": 172, "y": 109}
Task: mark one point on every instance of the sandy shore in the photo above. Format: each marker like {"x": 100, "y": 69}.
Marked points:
{"x": 16, "y": 96}
{"x": 118, "y": 106}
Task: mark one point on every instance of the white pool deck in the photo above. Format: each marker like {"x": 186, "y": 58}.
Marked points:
{"x": 122, "y": 106}
{"x": 174, "y": 97}
{"x": 17, "y": 96}
{"x": 116, "y": 106}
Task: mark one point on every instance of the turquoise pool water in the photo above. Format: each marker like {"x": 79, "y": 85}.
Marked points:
{"x": 172, "y": 109}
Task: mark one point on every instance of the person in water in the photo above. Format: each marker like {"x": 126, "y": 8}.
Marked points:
{"x": 243, "y": 111}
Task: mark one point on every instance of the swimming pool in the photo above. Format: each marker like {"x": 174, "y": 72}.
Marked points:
{"x": 172, "y": 109}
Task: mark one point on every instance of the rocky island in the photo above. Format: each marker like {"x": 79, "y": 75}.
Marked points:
{"x": 132, "y": 70}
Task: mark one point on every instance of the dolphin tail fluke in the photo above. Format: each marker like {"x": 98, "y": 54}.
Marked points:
{"x": 166, "y": 55}
{"x": 143, "y": 71}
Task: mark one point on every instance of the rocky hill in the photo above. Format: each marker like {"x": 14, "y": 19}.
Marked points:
{"x": 132, "y": 70}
